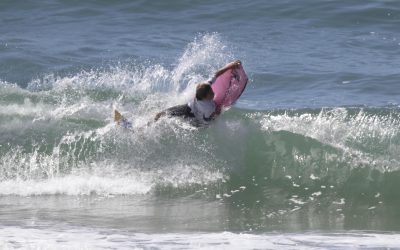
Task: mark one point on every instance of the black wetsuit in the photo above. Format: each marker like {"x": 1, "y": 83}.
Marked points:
{"x": 181, "y": 111}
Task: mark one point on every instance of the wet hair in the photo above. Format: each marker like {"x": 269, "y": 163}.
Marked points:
{"x": 202, "y": 91}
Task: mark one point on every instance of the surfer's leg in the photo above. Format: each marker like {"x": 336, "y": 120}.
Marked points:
{"x": 180, "y": 110}
{"x": 121, "y": 120}
{"x": 117, "y": 116}
{"x": 159, "y": 115}
{"x": 176, "y": 111}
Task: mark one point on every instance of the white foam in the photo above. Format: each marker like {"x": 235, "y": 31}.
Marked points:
{"x": 345, "y": 131}
{"x": 108, "y": 181}
{"x": 76, "y": 185}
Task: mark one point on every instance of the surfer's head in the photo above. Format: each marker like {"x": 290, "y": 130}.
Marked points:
{"x": 204, "y": 92}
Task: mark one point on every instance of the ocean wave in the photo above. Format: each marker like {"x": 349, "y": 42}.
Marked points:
{"x": 301, "y": 150}
{"x": 59, "y": 130}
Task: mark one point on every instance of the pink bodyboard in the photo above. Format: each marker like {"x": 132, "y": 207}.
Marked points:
{"x": 228, "y": 87}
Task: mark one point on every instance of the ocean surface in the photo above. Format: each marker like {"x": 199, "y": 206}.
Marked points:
{"x": 308, "y": 158}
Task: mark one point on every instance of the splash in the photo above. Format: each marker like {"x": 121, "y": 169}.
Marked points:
{"x": 58, "y": 137}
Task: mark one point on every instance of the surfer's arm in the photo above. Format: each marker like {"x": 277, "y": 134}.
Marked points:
{"x": 228, "y": 66}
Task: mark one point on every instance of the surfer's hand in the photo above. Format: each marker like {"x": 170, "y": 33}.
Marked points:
{"x": 230, "y": 65}
{"x": 237, "y": 62}
{"x": 234, "y": 64}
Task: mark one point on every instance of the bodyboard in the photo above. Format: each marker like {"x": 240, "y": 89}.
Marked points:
{"x": 229, "y": 86}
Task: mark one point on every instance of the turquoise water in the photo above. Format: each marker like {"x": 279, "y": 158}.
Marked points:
{"x": 309, "y": 154}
